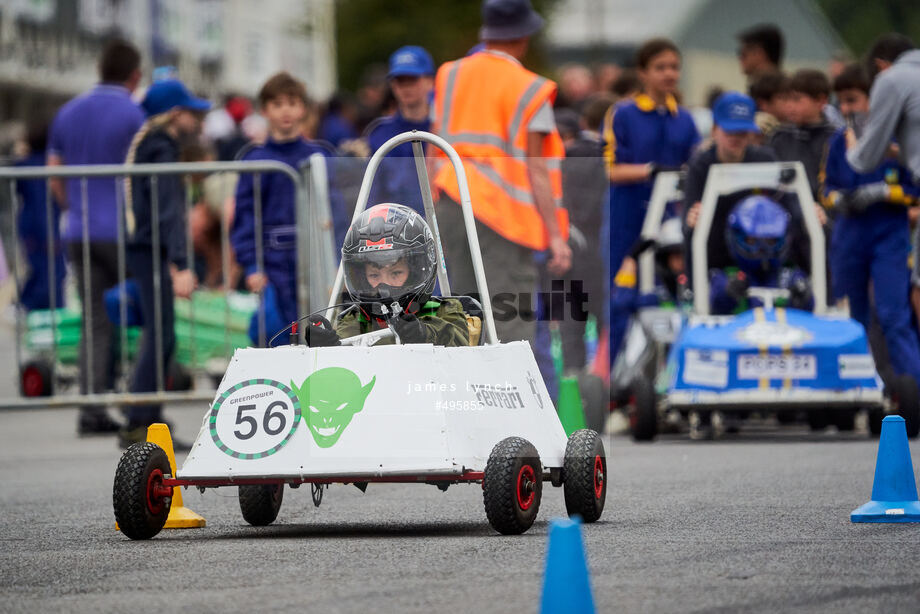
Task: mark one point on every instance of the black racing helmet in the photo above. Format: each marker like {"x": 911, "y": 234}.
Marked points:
{"x": 385, "y": 235}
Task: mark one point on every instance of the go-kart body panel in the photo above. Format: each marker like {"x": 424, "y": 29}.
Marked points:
{"x": 301, "y": 412}
{"x": 773, "y": 356}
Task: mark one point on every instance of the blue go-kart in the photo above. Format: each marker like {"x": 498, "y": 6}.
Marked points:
{"x": 771, "y": 359}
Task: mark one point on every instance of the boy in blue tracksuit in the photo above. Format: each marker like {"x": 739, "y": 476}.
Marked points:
{"x": 411, "y": 79}
{"x": 871, "y": 237}
{"x": 642, "y": 136}
{"x": 283, "y": 99}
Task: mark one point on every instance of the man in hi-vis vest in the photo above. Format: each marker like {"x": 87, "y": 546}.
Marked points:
{"x": 498, "y": 116}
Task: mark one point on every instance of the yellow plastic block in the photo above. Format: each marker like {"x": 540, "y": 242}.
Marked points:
{"x": 180, "y": 517}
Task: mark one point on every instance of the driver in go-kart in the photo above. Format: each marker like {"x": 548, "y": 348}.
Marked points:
{"x": 756, "y": 236}
{"x": 390, "y": 266}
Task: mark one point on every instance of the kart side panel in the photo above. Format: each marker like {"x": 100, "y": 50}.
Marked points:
{"x": 750, "y": 351}
{"x": 295, "y": 411}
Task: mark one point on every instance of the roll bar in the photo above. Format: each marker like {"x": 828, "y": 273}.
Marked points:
{"x": 417, "y": 137}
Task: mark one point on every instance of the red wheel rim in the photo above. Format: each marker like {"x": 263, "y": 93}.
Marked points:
{"x": 32, "y": 382}
{"x": 526, "y": 482}
{"x": 598, "y": 477}
{"x": 156, "y": 492}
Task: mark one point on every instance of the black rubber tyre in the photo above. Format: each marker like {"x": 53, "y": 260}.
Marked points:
{"x": 906, "y": 397}
{"x": 35, "y": 379}
{"x": 585, "y": 475}
{"x": 512, "y": 486}
{"x": 786, "y": 416}
{"x": 643, "y": 416}
{"x": 594, "y": 400}
{"x": 845, "y": 420}
{"x": 260, "y": 503}
{"x": 139, "y": 511}
{"x": 817, "y": 420}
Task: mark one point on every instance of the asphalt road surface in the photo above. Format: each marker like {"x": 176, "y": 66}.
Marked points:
{"x": 755, "y": 522}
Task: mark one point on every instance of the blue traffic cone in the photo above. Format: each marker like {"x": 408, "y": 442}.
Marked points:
{"x": 566, "y": 585}
{"x": 894, "y": 493}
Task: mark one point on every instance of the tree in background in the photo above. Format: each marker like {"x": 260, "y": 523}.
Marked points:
{"x": 860, "y": 23}
{"x": 368, "y": 31}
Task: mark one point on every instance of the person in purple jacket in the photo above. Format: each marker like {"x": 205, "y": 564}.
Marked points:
{"x": 96, "y": 128}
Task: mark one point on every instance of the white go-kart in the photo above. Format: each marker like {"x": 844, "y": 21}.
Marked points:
{"x": 360, "y": 413}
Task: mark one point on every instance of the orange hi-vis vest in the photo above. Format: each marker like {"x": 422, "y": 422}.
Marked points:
{"x": 483, "y": 106}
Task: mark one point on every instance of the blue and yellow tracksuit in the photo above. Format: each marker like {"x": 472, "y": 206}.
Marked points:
{"x": 873, "y": 246}
{"x": 279, "y": 219}
{"x": 636, "y": 131}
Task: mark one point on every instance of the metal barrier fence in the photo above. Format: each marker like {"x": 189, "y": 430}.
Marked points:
{"x": 315, "y": 266}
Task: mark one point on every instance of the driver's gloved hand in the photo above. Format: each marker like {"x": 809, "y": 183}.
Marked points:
{"x": 737, "y": 286}
{"x": 409, "y": 328}
{"x": 318, "y": 332}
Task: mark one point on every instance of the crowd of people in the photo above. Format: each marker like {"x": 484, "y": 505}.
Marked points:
{"x": 560, "y": 179}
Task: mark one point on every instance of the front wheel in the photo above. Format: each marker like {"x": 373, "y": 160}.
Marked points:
{"x": 512, "y": 486}
{"x": 585, "y": 475}
{"x": 643, "y": 416}
{"x": 260, "y": 503}
{"x": 140, "y": 500}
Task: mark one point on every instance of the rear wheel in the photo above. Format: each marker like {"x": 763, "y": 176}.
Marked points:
{"x": 140, "y": 500}
{"x": 643, "y": 416}
{"x": 595, "y": 403}
{"x": 585, "y": 473}
{"x": 845, "y": 420}
{"x": 35, "y": 379}
{"x": 260, "y": 503}
{"x": 818, "y": 419}
{"x": 512, "y": 486}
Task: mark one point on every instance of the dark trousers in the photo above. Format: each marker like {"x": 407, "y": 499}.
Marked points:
{"x": 511, "y": 272}
{"x": 873, "y": 248}
{"x": 140, "y": 267}
{"x": 102, "y": 266}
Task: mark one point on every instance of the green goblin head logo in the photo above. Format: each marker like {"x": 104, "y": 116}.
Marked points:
{"x": 330, "y": 398}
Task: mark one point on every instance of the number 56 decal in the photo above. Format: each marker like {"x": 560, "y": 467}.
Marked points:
{"x": 254, "y": 419}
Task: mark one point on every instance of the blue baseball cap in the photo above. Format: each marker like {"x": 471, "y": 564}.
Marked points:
{"x": 168, "y": 94}
{"x": 410, "y": 61}
{"x": 734, "y": 112}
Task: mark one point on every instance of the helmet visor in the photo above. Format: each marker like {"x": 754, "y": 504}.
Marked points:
{"x": 387, "y": 275}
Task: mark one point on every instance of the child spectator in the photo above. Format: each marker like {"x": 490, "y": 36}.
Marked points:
{"x": 173, "y": 115}
{"x": 805, "y": 139}
{"x": 390, "y": 268}
{"x": 732, "y": 135}
{"x": 871, "y": 239}
{"x": 33, "y": 228}
{"x": 411, "y": 78}
{"x": 770, "y": 91}
{"x": 761, "y": 49}
{"x": 642, "y": 136}
{"x": 284, "y": 103}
